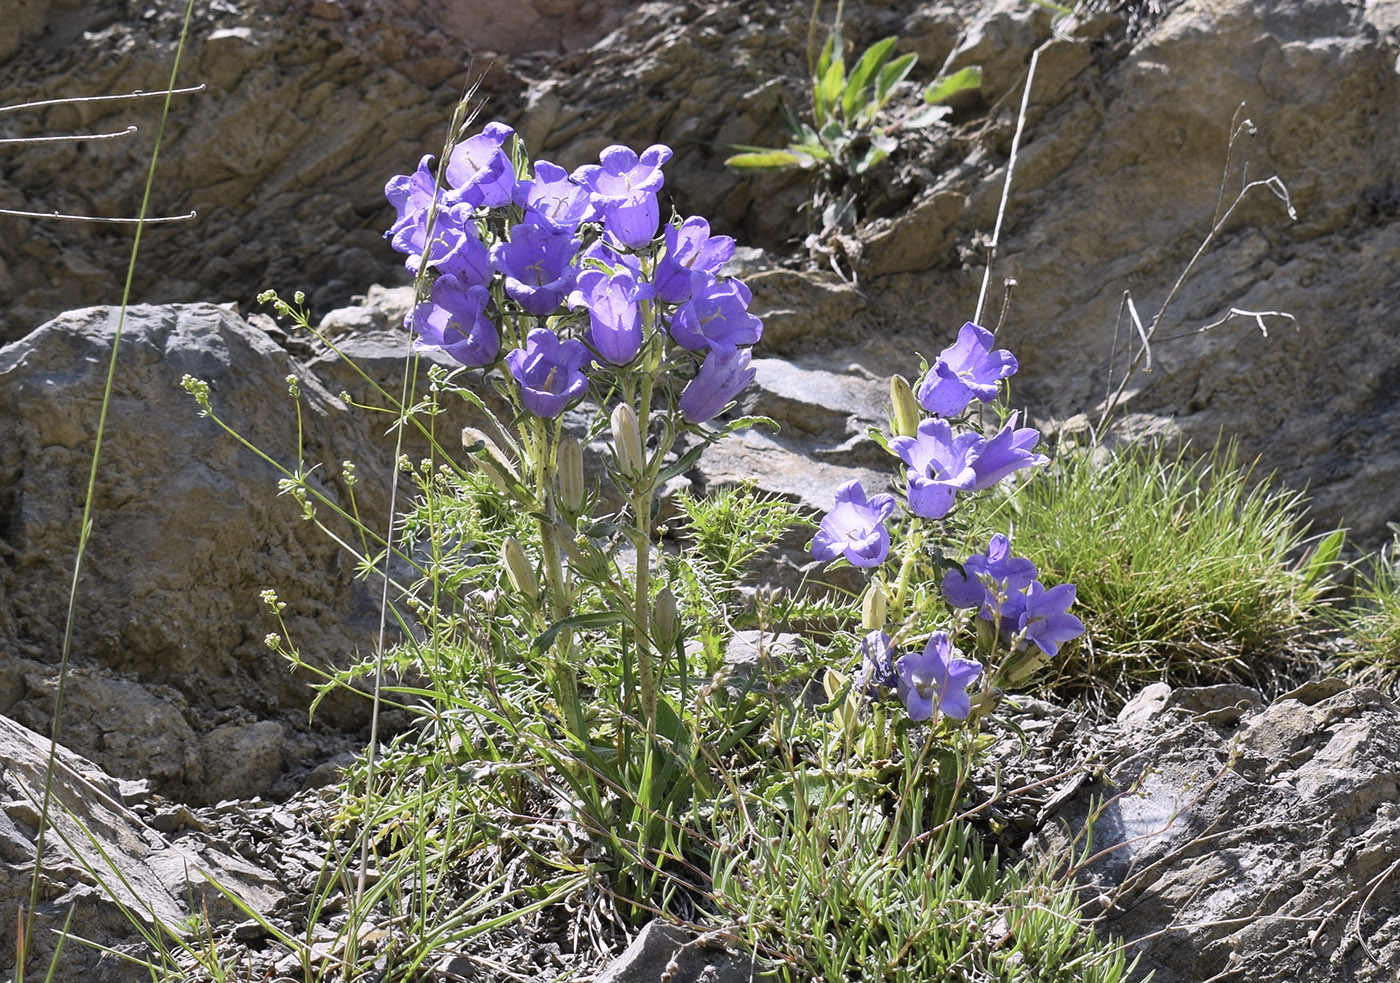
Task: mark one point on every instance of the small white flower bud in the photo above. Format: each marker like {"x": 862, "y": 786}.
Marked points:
{"x": 872, "y": 608}
{"x": 664, "y": 626}
{"x": 570, "y": 465}
{"x": 627, "y": 440}
{"x": 519, "y": 569}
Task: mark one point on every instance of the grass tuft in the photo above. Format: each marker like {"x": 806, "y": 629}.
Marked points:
{"x": 1187, "y": 571}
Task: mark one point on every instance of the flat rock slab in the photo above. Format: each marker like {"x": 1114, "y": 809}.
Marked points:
{"x": 1236, "y": 841}
{"x": 99, "y": 857}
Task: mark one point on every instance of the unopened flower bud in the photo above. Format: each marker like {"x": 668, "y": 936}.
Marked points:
{"x": 491, "y": 458}
{"x": 872, "y": 608}
{"x": 519, "y": 568}
{"x": 570, "y": 465}
{"x": 664, "y": 626}
{"x": 627, "y": 440}
{"x": 904, "y": 407}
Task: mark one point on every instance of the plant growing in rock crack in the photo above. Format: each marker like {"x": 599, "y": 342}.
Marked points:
{"x": 844, "y": 139}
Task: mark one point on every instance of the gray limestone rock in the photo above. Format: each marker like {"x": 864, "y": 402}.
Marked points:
{"x": 1256, "y": 844}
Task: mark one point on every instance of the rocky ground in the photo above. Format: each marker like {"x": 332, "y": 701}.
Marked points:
{"x": 308, "y": 109}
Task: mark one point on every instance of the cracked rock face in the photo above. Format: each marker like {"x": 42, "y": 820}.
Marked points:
{"x": 1236, "y": 840}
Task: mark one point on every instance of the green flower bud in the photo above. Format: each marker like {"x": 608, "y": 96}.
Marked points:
{"x": 571, "y": 488}
{"x": 904, "y": 408}
{"x": 627, "y": 440}
{"x": 519, "y": 569}
{"x": 491, "y": 458}
{"x": 872, "y": 608}
{"x": 664, "y": 626}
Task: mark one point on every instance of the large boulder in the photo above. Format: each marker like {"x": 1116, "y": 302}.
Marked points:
{"x": 1236, "y": 840}
{"x": 172, "y": 678}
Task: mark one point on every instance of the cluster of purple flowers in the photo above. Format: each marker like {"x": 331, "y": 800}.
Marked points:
{"x": 937, "y": 677}
{"x": 1004, "y": 590}
{"x": 507, "y": 247}
{"x": 940, "y": 463}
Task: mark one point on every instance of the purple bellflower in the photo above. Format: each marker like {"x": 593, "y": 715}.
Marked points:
{"x": 689, "y": 249}
{"x": 940, "y": 466}
{"x": 552, "y": 200}
{"x": 1009, "y": 450}
{"x": 717, "y": 313}
{"x": 480, "y": 171}
{"x": 538, "y": 267}
{"x": 619, "y": 172}
{"x": 991, "y": 578}
{"x": 855, "y": 527}
{"x": 936, "y": 678}
{"x": 632, "y": 222}
{"x": 613, "y": 312}
{"x": 454, "y": 321}
{"x": 722, "y": 376}
{"x": 1046, "y": 620}
{"x": 550, "y": 372}
{"x": 966, "y": 370}
{"x": 410, "y": 194}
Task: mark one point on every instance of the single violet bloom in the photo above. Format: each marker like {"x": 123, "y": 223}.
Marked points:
{"x": 552, "y": 200}
{"x": 723, "y": 375}
{"x": 613, "y": 312}
{"x": 689, "y": 249}
{"x": 550, "y": 372}
{"x": 940, "y": 466}
{"x": 632, "y": 221}
{"x": 1045, "y": 620}
{"x": 936, "y": 678}
{"x": 1009, "y": 450}
{"x": 411, "y": 194}
{"x": 480, "y": 171}
{"x": 538, "y": 267}
{"x": 454, "y": 321}
{"x": 855, "y": 528}
{"x": 619, "y": 172}
{"x": 717, "y": 313}
{"x": 990, "y": 578}
{"x": 466, "y": 256}
{"x": 966, "y": 370}
{"x": 875, "y": 671}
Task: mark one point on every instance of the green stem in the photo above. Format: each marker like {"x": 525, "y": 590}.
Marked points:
{"x": 912, "y": 543}
{"x": 641, "y": 511}
{"x": 556, "y": 586}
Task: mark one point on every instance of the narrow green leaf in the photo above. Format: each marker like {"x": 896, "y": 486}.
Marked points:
{"x": 960, "y": 81}
{"x": 597, "y": 619}
{"x": 1322, "y": 558}
{"x": 764, "y": 160}
{"x": 864, "y": 73}
{"x": 828, "y": 91}
{"x": 926, "y": 116}
{"x": 890, "y": 76}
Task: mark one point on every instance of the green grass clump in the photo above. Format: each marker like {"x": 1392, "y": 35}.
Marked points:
{"x": 1372, "y": 623}
{"x": 832, "y": 881}
{"x": 1188, "y": 571}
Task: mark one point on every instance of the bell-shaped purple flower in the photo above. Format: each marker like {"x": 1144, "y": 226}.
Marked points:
{"x": 549, "y": 371}
{"x": 552, "y": 200}
{"x": 966, "y": 370}
{"x": 936, "y": 678}
{"x": 990, "y": 579}
{"x": 632, "y": 221}
{"x": 620, "y": 172}
{"x": 1046, "y": 620}
{"x": 722, "y": 376}
{"x": 480, "y": 171}
{"x": 717, "y": 313}
{"x": 410, "y": 194}
{"x": 689, "y": 249}
{"x": 538, "y": 267}
{"x": 454, "y": 321}
{"x": 940, "y": 466}
{"x": 615, "y": 317}
{"x": 1009, "y": 450}
{"x": 855, "y": 528}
